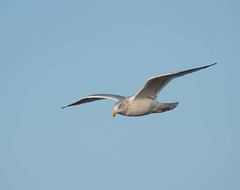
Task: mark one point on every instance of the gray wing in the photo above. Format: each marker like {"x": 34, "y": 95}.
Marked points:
{"x": 155, "y": 84}
{"x": 95, "y": 97}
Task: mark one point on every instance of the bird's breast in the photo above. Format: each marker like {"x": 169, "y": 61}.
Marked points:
{"x": 140, "y": 107}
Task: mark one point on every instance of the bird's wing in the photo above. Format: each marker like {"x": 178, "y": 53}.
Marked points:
{"x": 95, "y": 97}
{"x": 155, "y": 84}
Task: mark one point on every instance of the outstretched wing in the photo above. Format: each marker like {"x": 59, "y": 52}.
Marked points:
{"x": 95, "y": 97}
{"x": 155, "y": 84}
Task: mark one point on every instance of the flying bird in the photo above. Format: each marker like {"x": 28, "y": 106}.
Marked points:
{"x": 144, "y": 102}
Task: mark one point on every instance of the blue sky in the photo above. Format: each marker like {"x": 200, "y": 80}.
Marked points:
{"x": 55, "y": 52}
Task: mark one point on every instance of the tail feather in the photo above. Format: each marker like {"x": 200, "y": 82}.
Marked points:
{"x": 171, "y": 106}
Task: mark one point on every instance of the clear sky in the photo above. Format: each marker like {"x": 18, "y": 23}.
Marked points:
{"x": 55, "y": 52}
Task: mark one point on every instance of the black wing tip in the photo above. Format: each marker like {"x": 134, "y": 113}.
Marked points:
{"x": 212, "y": 64}
{"x": 204, "y": 67}
{"x": 64, "y": 107}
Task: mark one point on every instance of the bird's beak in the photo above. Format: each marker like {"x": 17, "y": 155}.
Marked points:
{"x": 114, "y": 113}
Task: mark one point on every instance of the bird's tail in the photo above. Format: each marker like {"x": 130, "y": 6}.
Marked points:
{"x": 171, "y": 106}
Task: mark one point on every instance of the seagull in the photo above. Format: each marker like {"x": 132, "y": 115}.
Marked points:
{"x": 144, "y": 102}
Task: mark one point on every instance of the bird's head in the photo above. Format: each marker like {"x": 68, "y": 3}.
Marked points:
{"x": 120, "y": 108}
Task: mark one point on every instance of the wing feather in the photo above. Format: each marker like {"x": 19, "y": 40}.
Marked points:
{"x": 96, "y": 97}
{"x": 155, "y": 84}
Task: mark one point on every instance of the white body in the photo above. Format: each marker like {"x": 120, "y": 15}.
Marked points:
{"x": 145, "y": 106}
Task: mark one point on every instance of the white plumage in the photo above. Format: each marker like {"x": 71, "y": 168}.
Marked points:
{"x": 144, "y": 102}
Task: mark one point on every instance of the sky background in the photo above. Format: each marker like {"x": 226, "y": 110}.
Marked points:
{"x": 55, "y": 52}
